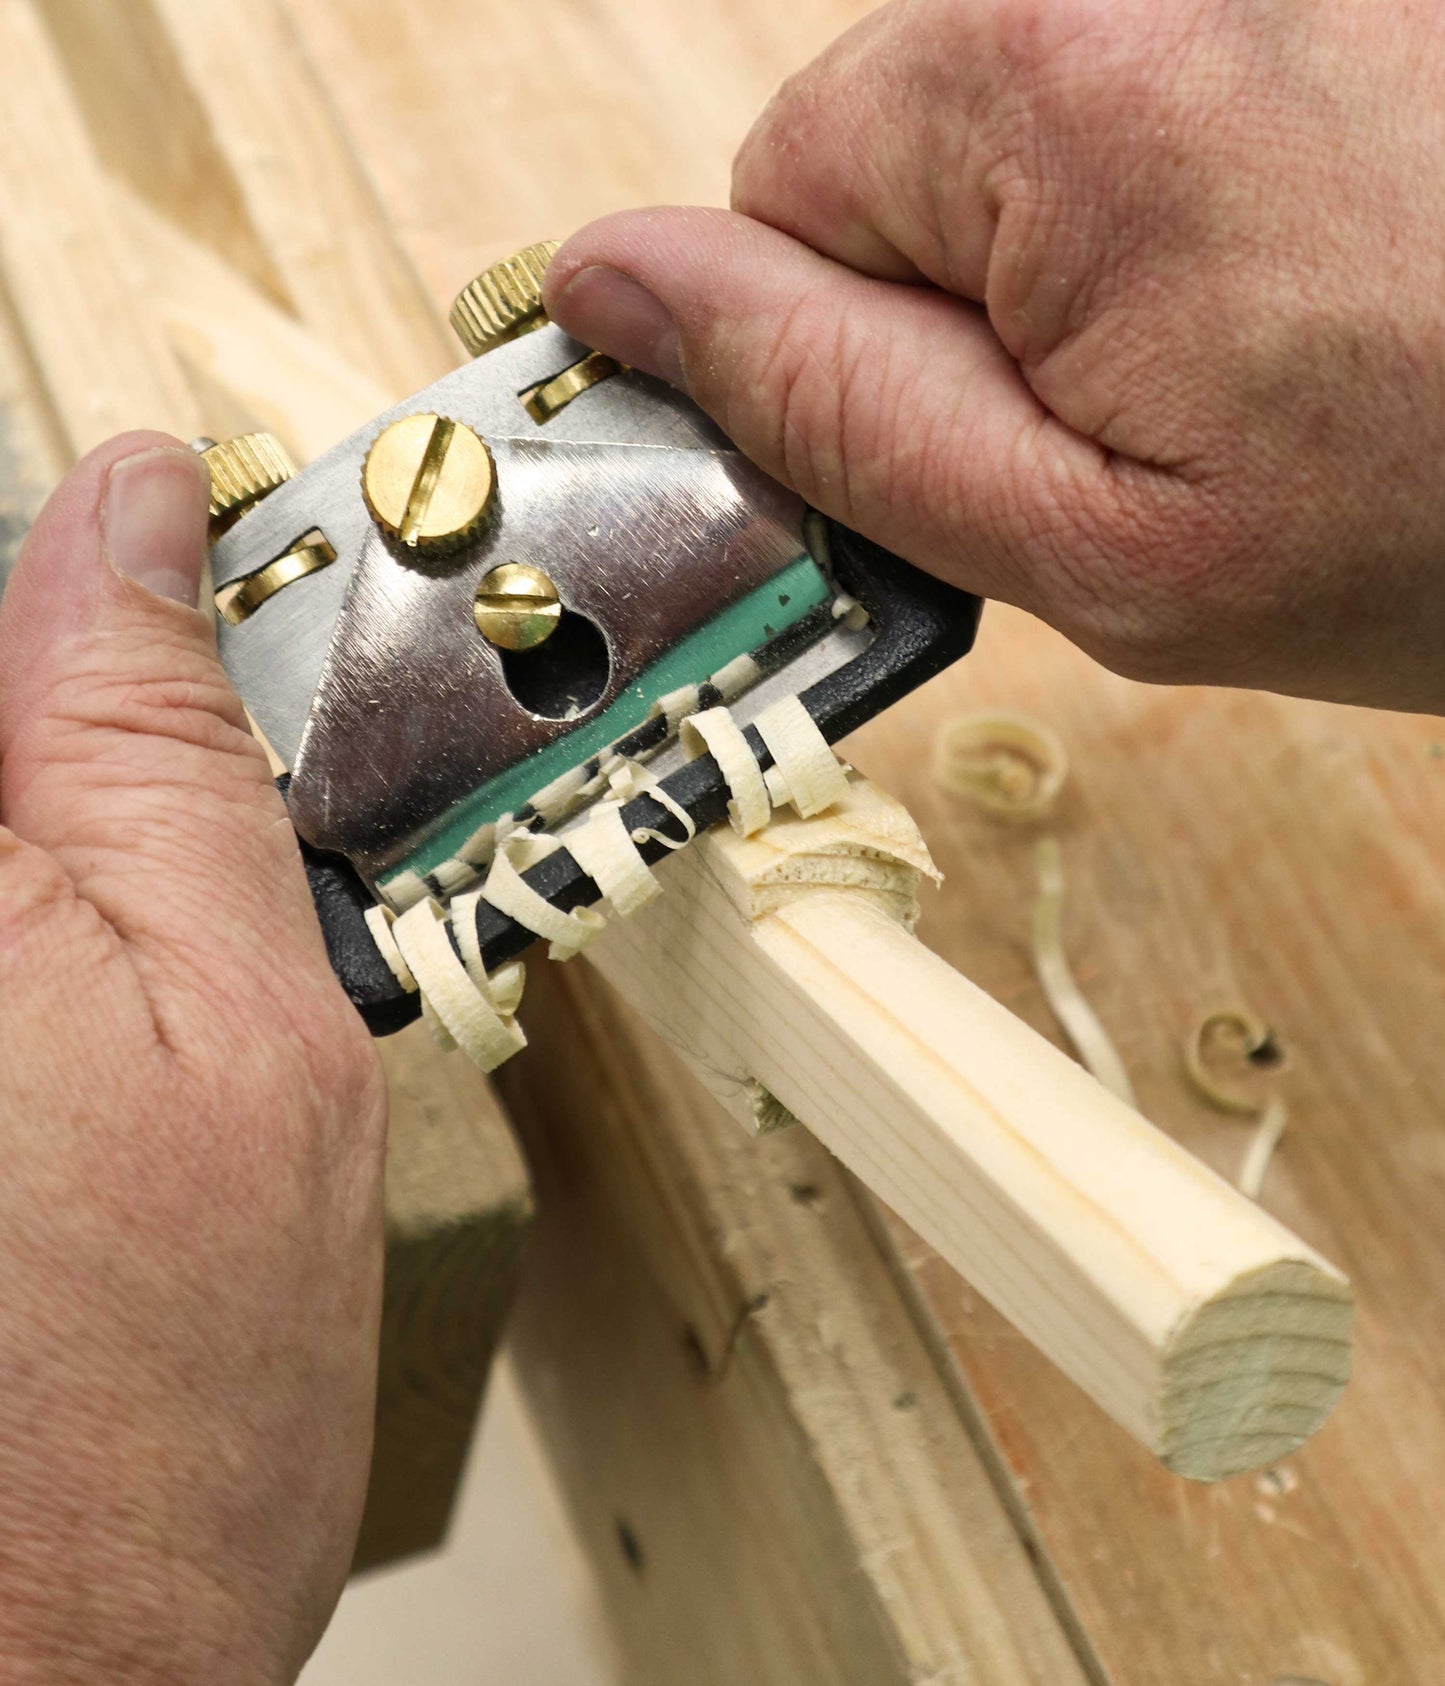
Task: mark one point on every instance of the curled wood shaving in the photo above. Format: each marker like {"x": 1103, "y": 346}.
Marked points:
{"x": 508, "y": 891}
{"x": 627, "y": 779}
{"x": 1008, "y": 764}
{"x": 1251, "y": 1036}
{"x": 605, "y": 852}
{"x": 380, "y": 919}
{"x": 715, "y": 731}
{"x": 1240, "y": 1026}
{"x": 1261, "y": 1148}
{"x": 1090, "y": 1040}
{"x": 477, "y": 1016}
{"x": 806, "y": 773}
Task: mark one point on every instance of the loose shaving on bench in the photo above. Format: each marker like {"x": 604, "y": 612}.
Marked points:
{"x": 1010, "y": 765}
{"x": 1253, "y": 1040}
{"x": 1093, "y": 1044}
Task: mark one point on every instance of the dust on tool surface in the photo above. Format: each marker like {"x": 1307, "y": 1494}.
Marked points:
{"x": 488, "y": 611}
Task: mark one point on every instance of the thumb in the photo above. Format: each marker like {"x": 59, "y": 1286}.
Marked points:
{"x": 893, "y": 408}
{"x": 124, "y": 752}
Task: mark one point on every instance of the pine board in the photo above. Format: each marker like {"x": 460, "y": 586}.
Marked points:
{"x": 1220, "y": 846}
{"x": 763, "y": 1462}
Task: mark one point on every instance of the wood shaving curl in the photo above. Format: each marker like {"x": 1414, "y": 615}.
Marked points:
{"x": 1261, "y": 1148}
{"x": 1091, "y": 1042}
{"x": 1252, "y": 1038}
{"x": 1010, "y": 765}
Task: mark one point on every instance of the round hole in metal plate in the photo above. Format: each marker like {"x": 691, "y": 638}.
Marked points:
{"x": 564, "y": 677}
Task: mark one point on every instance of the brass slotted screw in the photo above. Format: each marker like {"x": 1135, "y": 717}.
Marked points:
{"x": 517, "y": 607}
{"x": 429, "y": 482}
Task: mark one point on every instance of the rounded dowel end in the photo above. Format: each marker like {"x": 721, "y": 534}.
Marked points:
{"x": 1252, "y": 1372}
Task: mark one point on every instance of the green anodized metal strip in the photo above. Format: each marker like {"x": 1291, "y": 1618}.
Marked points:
{"x": 742, "y": 627}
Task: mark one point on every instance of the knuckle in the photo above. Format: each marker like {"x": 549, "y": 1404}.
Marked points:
{"x": 33, "y": 889}
{"x": 803, "y": 403}
{"x": 1061, "y": 49}
{"x": 755, "y": 168}
{"x": 786, "y": 152}
{"x": 843, "y": 105}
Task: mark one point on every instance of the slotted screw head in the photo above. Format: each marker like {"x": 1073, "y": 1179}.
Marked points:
{"x": 503, "y": 301}
{"x": 517, "y": 607}
{"x": 428, "y": 482}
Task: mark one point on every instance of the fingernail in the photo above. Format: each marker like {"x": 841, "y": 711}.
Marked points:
{"x": 154, "y": 522}
{"x": 618, "y": 315}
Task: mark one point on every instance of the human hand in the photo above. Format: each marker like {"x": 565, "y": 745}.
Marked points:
{"x": 1175, "y": 376}
{"x": 192, "y": 1125}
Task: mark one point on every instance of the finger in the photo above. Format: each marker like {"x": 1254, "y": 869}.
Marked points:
{"x": 124, "y": 752}
{"x": 850, "y": 153}
{"x": 892, "y": 408}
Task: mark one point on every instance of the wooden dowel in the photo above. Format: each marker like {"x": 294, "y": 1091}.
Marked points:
{"x": 1198, "y": 1322}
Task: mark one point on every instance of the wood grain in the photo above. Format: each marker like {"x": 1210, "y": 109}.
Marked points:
{"x": 764, "y": 1465}
{"x": 487, "y": 127}
{"x": 33, "y": 450}
{"x": 1219, "y": 846}
{"x": 1200, "y": 1324}
{"x": 310, "y": 202}
{"x": 70, "y": 272}
{"x": 252, "y": 365}
{"x": 124, "y": 70}
{"x": 458, "y": 1209}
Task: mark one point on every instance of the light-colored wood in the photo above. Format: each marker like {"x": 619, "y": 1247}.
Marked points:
{"x": 486, "y": 127}
{"x": 253, "y": 366}
{"x": 1198, "y": 1322}
{"x": 458, "y": 1208}
{"x": 69, "y": 270}
{"x": 312, "y": 206}
{"x": 766, "y": 1470}
{"x": 1218, "y": 847}
{"x": 32, "y": 447}
{"x": 150, "y": 128}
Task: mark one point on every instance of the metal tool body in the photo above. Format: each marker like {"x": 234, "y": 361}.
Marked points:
{"x": 418, "y": 706}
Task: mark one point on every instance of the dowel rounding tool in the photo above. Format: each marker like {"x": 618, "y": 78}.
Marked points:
{"x": 536, "y": 628}
{"x": 453, "y": 625}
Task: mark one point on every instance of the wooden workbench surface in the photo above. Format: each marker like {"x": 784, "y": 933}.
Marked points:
{"x": 1219, "y": 847}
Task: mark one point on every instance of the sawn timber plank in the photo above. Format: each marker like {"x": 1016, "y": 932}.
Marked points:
{"x": 1218, "y": 846}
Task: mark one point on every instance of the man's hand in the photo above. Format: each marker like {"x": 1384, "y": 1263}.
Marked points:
{"x": 1128, "y": 313}
{"x": 192, "y": 1127}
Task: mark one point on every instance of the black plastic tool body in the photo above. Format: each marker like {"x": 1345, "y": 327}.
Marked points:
{"x": 921, "y": 626}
